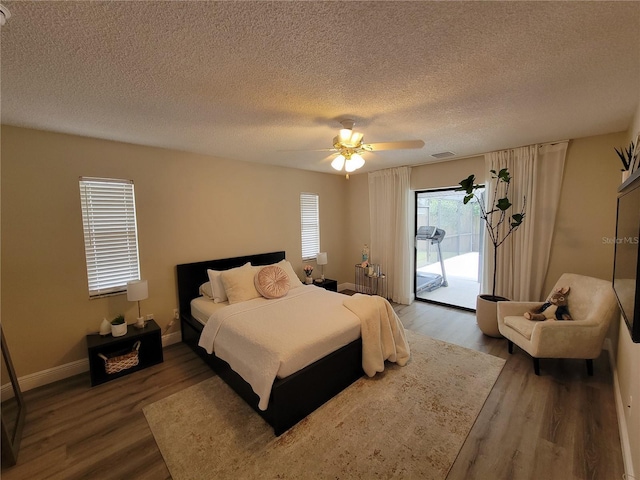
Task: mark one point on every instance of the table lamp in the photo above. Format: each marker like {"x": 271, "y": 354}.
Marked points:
{"x": 321, "y": 259}
{"x": 137, "y": 290}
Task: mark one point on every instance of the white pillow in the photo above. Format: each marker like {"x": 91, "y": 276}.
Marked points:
{"x": 206, "y": 290}
{"x": 238, "y": 283}
{"x": 219, "y": 295}
{"x": 294, "y": 281}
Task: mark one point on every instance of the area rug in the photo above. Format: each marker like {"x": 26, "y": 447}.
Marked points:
{"x": 406, "y": 422}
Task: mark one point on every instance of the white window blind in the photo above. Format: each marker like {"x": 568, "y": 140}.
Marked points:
{"x": 310, "y": 225}
{"x": 110, "y": 234}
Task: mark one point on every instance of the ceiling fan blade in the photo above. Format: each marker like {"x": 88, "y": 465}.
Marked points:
{"x": 328, "y": 158}
{"x": 376, "y": 147}
{"x": 310, "y": 150}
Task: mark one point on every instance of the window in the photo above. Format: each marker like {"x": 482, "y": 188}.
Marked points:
{"x": 310, "y": 225}
{"x": 110, "y": 234}
{"x": 449, "y": 248}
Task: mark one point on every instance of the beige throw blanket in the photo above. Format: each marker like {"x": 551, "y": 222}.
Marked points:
{"x": 383, "y": 336}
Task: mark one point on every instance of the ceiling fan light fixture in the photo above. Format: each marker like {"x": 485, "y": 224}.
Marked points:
{"x": 345, "y": 135}
{"x": 356, "y": 138}
{"x": 347, "y": 138}
{"x": 349, "y": 146}
{"x": 357, "y": 161}
{"x": 350, "y": 165}
{"x": 354, "y": 162}
{"x": 338, "y": 162}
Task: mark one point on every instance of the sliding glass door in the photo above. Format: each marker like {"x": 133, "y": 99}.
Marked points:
{"x": 448, "y": 249}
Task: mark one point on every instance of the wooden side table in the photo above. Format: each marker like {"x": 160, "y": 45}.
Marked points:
{"x": 150, "y": 352}
{"x": 328, "y": 284}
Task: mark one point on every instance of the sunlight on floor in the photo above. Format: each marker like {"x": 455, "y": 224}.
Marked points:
{"x": 462, "y": 278}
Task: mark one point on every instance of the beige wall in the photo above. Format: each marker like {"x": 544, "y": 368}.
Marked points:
{"x": 189, "y": 208}
{"x": 628, "y": 358}
{"x": 447, "y": 174}
{"x": 358, "y": 220}
{"x": 587, "y": 210}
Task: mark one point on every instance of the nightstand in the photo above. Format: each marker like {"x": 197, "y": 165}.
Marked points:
{"x": 150, "y": 352}
{"x": 328, "y": 284}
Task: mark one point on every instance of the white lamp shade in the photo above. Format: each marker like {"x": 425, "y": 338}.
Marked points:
{"x": 349, "y": 138}
{"x": 338, "y": 162}
{"x": 356, "y": 138}
{"x": 345, "y": 135}
{"x": 321, "y": 258}
{"x": 137, "y": 290}
{"x": 358, "y": 160}
{"x": 350, "y": 165}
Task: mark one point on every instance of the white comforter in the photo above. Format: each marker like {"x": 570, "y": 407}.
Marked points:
{"x": 263, "y": 339}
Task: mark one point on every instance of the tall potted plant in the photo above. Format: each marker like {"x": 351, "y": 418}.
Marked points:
{"x": 500, "y": 225}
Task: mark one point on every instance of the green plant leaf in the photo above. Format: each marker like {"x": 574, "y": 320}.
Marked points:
{"x": 503, "y": 204}
{"x": 503, "y": 175}
{"x": 467, "y": 198}
{"x": 516, "y": 220}
{"x": 467, "y": 185}
{"x": 625, "y": 155}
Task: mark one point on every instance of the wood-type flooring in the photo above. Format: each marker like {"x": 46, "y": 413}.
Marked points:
{"x": 561, "y": 425}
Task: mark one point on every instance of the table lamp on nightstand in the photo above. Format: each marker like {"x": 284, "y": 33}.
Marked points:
{"x": 138, "y": 290}
{"x": 321, "y": 259}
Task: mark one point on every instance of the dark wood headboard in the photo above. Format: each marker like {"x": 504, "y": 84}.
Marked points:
{"x": 191, "y": 275}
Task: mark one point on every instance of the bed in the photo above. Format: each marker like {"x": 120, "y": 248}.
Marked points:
{"x": 293, "y": 397}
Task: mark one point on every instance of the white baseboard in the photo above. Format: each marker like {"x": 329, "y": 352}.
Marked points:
{"x": 347, "y": 286}
{"x": 171, "y": 338}
{"x": 50, "y": 375}
{"x": 622, "y": 420}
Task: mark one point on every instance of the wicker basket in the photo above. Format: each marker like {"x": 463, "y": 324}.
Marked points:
{"x": 119, "y": 362}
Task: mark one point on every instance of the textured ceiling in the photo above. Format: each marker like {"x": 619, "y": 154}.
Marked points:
{"x": 263, "y": 81}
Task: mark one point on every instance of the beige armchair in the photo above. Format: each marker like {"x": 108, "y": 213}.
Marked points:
{"x": 592, "y": 305}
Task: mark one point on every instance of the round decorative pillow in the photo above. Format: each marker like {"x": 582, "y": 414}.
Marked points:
{"x": 272, "y": 282}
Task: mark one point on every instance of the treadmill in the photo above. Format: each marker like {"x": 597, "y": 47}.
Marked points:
{"x": 430, "y": 281}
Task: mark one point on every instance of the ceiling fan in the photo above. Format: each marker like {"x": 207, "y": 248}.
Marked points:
{"x": 350, "y": 147}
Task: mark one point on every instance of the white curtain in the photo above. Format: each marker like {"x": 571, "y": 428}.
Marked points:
{"x": 390, "y": 221}
{"x": 536, "y": 173}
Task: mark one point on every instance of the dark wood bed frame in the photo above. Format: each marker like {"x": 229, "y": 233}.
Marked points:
{"x": 292, "y": 398}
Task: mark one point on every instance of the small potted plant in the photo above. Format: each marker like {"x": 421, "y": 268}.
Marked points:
{"x": 626, "y": 156}
{"x": 308, "y": 270}
{"x": 118, "y": 326}
{"x": 629, "y": 158}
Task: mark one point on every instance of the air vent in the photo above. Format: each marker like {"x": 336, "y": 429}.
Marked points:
{"x": 443, "y": 155}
